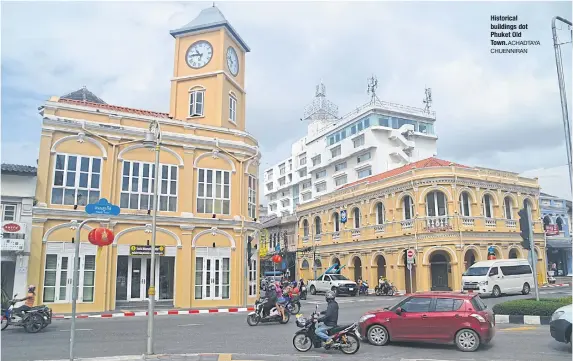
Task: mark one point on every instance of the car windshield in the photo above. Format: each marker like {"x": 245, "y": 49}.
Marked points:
{"x": 476, "y": 271}
{"x": 338, "y": 278}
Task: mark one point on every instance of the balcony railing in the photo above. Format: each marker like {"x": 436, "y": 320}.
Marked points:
{"x": 420, "y": 225}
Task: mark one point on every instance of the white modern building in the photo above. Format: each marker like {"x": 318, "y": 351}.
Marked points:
{"x": 376, "y": 137}
{"x": 17, "y": 191}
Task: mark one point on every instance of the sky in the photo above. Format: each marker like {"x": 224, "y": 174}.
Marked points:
{"x": 493, "y": 110}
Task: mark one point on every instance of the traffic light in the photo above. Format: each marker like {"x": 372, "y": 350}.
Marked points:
{"x": 524, "y": 227}
{"x": 249, "y": 247}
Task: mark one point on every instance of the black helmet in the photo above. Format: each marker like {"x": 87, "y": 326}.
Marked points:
{"x": 330, "y": 296}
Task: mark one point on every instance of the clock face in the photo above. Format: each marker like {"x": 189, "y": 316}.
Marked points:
{"x": 199, "y": 54}
{"x": 232, "y": 61}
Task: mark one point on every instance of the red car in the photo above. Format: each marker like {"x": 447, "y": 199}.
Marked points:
{"x": 438, "y": 317}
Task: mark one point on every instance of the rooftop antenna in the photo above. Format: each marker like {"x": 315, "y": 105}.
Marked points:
{"x": 428, "y": 100}
{"x": 372, "y": 85}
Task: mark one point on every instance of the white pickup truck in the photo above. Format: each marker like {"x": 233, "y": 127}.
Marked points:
{"x": 335, "y": 282}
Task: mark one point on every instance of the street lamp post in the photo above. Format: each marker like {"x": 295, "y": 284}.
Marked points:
{"x": 153, "y": 139}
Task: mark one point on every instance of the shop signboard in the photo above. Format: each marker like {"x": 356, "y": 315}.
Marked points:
{"x": 13, "y": 227}
{"x": 551, "y": 230}
{"x": 146, "y": 250}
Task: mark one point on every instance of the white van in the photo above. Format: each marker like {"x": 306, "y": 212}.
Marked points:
{"x": 499, "y": 276}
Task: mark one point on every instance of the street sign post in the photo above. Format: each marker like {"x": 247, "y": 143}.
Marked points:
{"x": 100, "y": 208}
{"x": 410, "y": 260}
{"x": 343, "y": 216}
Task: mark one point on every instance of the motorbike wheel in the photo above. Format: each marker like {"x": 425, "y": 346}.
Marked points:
{"x": 390, "y": 292}
{"x": 378, "y": 292}
{"x": 352, "y": 344}
{"x": 253, "y": 320}
{"x": 303, "y": 340}
{"x": 282, "y": 322}
{"x": 294, "y": 308}
{"x": 34, "y": 323}
{"x": 5, "y": 322}
{"x": 46, "y": 320}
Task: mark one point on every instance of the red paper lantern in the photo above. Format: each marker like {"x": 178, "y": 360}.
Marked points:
{"x": 277, "y": 258}
{"x": 101, "y": 237}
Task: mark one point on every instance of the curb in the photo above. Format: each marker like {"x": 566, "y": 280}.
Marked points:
{"x": 157, "y": 313}
{"x": 522, "y": 319}
{"x": 556, "y": 285}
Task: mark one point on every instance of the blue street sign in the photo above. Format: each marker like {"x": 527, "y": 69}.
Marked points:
{"x": 491, "y": 249}
{"x": 278, "y": 248}
{"x": 102, "y": 207}
{"x": 343, "y": 216}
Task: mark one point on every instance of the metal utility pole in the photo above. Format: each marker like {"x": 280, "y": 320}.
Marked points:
{"x": 153, "y": 138}
{"x": 564, "y": 110}
{"x": 532, "y": 252}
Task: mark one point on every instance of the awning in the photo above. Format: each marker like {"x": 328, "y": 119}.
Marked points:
{"x": 558, "y": 243}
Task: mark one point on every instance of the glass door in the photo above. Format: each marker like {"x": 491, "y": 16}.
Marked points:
{"x": 64, "y": 279}
{"x": 215, "y": 280}
{"x": 139, "y": 272}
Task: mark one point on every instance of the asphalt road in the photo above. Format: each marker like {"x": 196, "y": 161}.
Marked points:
{"x": 229, "y": 333}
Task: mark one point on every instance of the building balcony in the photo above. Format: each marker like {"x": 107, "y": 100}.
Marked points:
{"x": 420, "y": 226}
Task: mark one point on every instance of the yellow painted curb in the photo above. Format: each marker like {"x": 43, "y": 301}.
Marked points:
{"x": 521, "y": 328}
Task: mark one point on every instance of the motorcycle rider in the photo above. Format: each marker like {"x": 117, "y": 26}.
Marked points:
{"x": 383, "y": 284}
{"x": 271, "y": 296}
{"x": 329, "y": 318}
{"x": 30, "y": 299}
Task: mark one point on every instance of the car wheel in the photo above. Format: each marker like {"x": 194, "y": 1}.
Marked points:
{"x": 312, "y": 290}
{"x": 378, "y": 335}
{"x": 467, "y": 340}
{"x": 526, "y": 289}
{"x": 496, "y": 292}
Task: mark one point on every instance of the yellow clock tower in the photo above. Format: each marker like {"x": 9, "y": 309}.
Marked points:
{"x": 209, "y": 72}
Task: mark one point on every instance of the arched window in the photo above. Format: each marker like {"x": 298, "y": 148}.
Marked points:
{"x": 304, "y": 264}
{"x": 436, "y": 204}
{"x": 305, "y": 228}
{"x": 379, "y": 213}
{"x": 408, "y": 204}
{"x": 465, "y": 204}
{"x": 317, "y": 263}
{"x": 356, "y": 216}
{"x": 559, "y": 222}
{"x": 317, "y": 225}
{"x": 336, "y": 221}
{"x": 487, "y": 206}
{"x": 508, "y": 207}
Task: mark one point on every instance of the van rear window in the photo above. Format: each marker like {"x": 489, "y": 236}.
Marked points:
{"x": 478, "y": 304}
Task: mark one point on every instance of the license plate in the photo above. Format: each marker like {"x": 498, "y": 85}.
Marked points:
{"x": 351, "y": 289}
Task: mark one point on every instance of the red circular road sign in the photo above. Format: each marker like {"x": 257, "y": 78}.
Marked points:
{"x": 11, "y": 227}
{"x": 410, "y": 253}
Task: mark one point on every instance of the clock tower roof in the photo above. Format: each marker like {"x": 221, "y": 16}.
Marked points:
{"x": 209, "y": 19}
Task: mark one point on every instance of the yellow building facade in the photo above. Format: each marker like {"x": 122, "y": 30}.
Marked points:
{"x": 208, "y": 196}
{"x": 448, "y": 214}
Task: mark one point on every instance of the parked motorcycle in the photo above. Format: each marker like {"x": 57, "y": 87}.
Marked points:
{"x": 363, "y": 290}
{"x": 344, "y": 337}
{"x": 32, "y": 321}
{"x": 385, "y": 290}
{"x": 256, "y": 316}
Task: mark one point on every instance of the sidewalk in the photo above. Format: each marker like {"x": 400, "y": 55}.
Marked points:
{"x": 165, "y": 357}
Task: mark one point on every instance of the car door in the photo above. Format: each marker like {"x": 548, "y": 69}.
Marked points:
{"x": 413, "y": 322}
{"x": 445, "y": 318}
{"x": 324, "y": 283}
{"x": 495, "y": 278}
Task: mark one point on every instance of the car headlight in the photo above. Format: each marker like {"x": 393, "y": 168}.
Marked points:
{"x": 483, "y": 283}
{"x": 557, "y": 315}
{"x": 365, "y": 317}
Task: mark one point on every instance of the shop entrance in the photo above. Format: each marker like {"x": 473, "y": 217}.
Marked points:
{"x": 134, "y": 276}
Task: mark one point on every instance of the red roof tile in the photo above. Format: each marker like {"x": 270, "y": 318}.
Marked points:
{"x": 114, "y": 108}
{"x": 424, "y": 163}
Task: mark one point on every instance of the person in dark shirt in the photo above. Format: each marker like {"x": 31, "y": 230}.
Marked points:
{"x": 271, "y": 296}
{"x": 329, "y": 318}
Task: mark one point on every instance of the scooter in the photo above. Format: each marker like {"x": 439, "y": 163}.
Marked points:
{"x": 303, "y": 293}
{"x": 385, "y": 290}
{"x": 363, "y": 288}
{"x": 292, "y": 304}
{"x": 344, "y": 337}
{"x": 32, "y": 321}
{"x": 256, "y": 316}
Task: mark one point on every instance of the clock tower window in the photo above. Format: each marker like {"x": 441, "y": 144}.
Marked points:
{"x": 232, "y": 108}
{"x": 196, "y": 101}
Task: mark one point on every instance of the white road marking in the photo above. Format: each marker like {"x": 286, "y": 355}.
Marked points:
{"x": 78, "y": 329}
{"x": 190, "y": 324}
